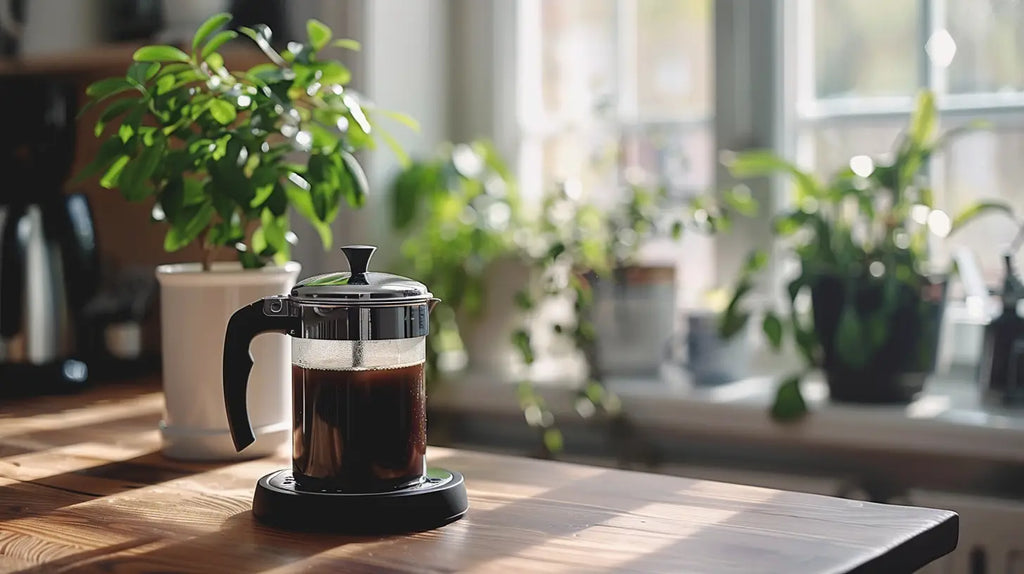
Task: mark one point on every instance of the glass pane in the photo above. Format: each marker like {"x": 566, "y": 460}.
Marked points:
{"x": 682, "y": 160}
{"x": 673, "y": 57}
{"x": 979, "y": 166}
{"x": 586, "y": 158}
{"x": 989, "y": 36}
{"x": 833, "y": 146}
{"x": 865, "y": 47}
{"x": 578, "y": 54}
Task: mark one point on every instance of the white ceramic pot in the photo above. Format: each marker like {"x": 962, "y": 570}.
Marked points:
{"x": 486, "y": 335}
{"x": 195, "y": 307}
{"x": 634, "y": 316}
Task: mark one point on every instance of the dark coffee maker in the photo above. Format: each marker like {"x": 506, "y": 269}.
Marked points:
{"x": 358, "y": 401}
{"x": 49, "y": 266}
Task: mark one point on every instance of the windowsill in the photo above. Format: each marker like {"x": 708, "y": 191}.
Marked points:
{"x": 947, "y": 420}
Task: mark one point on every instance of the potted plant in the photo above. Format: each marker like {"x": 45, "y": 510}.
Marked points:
{"x": 224, "y": 155}
{"x": 459, "y": 212}
{"x": 863, "y": 240}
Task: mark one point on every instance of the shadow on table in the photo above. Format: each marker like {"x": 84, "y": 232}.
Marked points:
{"x": 41, "y": 496}
{"x": 240, "y": 545}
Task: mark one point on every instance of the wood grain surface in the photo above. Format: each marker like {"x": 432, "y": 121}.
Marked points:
{"x": 83, "y": 487}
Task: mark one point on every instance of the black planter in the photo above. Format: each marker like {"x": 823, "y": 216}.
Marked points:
{"x": 896, "y": 371}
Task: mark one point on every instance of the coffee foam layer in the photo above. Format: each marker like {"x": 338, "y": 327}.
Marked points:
{"x": 357, "y": 355}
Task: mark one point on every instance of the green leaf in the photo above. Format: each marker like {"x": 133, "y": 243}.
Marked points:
{"x": 172, "y": 199}
{"x": 851, "y": 343}
{"x": 277, "y": 203}
{"x": 322, "y": 175}
{"x": 740, "y": 200}
{"x": 108, "y": 152}
{"x": 521, "y": 341}
{"x": 759, "y": 163}
{"x": 166, "y": 84}
{"x": 261, "y": 35}
{"x": 789, "y": 404}
{"x": 222, "y": 203}
{"x": 977, "y": 209}
{"x": 347, "y": 44}
{"x": 179, "y": 236}
{"x": 396, "y": 148}
{"x": 250, "y": 260}
{"x": 404, "y": 119}
{"x": 922, "y": 121}
{"x": 274, "y": 230}
{"x": 756, "y": 260}
{"x": 258, "y": 242}
{"x": 215, "y": 61}
{"x": 262, "y": 194}
{"x": 115, "y": 109}
{"x": 877, "y": 330}
{"x": 159, "y": 54}
{"x": 677, "y": 229}
{"x": 772, "y": 328}
{"x": 222, "y": 111}
{"x": 142, "y": 72}
{"x": 332, "y": 72}
{"x": 107, "y": 87}
{"x": 219, "y": 40}
{"x": 301, "y": 200}
{"x": 212, "y": 23}
{"x": 319, "y": 34}
{"x": 786, "y": 225}
{"x": 359, "y": 188}
{"x": 226, "y": 233}
{"x": 133, "y": 181}
{"x": 113, "y": 173}
{"x": 553, "y": 440}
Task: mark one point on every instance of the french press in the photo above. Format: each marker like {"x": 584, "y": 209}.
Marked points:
{"x": 358, "y": 404}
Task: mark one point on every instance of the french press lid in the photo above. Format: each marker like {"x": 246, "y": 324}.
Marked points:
{"x": 358, "y": 286}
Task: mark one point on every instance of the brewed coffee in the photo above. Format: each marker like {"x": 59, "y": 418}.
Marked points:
{"x": 358, "y": 430}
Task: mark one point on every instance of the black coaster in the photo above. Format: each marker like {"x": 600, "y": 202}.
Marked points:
{"x": 438, "y": 500}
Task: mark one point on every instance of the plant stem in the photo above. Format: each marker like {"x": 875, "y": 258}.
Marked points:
{"x": 208, "y": 251}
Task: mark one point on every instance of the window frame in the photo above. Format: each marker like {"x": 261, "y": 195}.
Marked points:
{"x": 806, "y": 112}
{"x": 524, "y": 133}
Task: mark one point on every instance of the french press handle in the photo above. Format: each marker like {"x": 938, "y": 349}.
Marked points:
{"x": 268, "y": 315}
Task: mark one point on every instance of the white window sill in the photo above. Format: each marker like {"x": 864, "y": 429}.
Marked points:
{"x": 948, "y": 420}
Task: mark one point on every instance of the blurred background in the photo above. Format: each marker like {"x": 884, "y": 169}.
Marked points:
{"x": 597, "y": 119}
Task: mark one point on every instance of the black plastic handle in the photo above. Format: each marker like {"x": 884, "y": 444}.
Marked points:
{"x": 358, "y": 260}
{"x": 269, "y": 315}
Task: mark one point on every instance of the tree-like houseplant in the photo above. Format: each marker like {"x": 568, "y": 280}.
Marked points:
{"x": 223, "y": 154}
{"x": 863, "y": 241}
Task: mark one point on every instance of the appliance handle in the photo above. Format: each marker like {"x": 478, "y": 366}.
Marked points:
{"x": 13, "y": 244}
{"x": 269, "y": 315}
{"x": 77, "y": 237}
{"x": 8, "y": 22}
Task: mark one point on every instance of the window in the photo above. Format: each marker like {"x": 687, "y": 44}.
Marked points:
{"x": 615, "y": 89}
{"x": 858, "y": 65}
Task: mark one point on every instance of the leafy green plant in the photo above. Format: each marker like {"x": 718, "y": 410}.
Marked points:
{"x": 458, "y": 212}
{"x": 214, "y": 147}
{"x": 572, "y": 243}
{"x": 864, "y": 233}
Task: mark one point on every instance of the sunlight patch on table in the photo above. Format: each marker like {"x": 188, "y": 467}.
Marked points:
{"x": 150, "y": 403}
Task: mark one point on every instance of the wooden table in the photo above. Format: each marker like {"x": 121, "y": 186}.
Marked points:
{"x": 83, "y": 486}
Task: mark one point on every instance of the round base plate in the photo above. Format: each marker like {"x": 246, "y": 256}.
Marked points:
{"x": 440, "y": 499}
